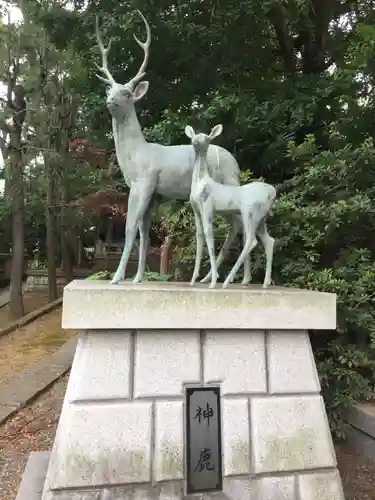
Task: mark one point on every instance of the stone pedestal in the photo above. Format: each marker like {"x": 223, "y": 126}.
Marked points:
{"x": 122, "y": 435}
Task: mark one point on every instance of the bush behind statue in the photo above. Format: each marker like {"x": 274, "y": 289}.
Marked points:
{"x": 149, "y": 276}
{"x": 324, "y": 222}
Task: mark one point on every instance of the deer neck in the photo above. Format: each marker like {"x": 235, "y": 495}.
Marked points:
{"x": 128, "y": 139}
{"x": 200, "y": 168}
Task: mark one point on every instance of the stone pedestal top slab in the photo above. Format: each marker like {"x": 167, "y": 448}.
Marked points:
{"x": 90, "y": 304}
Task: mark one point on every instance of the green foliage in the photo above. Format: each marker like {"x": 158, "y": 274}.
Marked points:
{"x": 101, "y": 275}
{"x": 148, "y": 276}
{"x": 347, "y": 375}
{"x": 153, "y": 276}
{"x": 324, "y": 221}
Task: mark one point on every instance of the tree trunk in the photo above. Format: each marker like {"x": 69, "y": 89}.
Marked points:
{"x": 66, "y": 253}
{"x": 51, "y": 230}
{"x": 15, "y": 103}
{"x": 67, "y": 263}
{"x": 108, "y": 241}
{"x": 18, "y": 224}
{"x": 7, "y": 168}
{"x": 309, "y": 39}
{"x": 165, "y": 255}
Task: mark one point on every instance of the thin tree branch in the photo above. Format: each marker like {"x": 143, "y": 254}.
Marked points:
{"x": 278, "y": 19}
{"x": 9, "y": 74}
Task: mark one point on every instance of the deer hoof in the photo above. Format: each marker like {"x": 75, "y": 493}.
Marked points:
{"x": 246, "y": 282}
{"x": 207, "y": 278}
{"x": 225, "y": 284}
{"x": 116, "y": 278}
{"x": 212, "y": 285}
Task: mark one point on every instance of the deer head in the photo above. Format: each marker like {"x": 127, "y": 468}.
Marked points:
{"x": 201, "y": 142}
{"x": 121, "y": 97}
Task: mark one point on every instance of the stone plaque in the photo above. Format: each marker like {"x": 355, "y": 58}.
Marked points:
{"x": 203, "y": 440}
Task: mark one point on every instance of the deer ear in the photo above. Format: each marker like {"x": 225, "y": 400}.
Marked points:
{"x": 140, "y": 90}
{"x": 189, "y": 131}
{"x": 216, "y": 131}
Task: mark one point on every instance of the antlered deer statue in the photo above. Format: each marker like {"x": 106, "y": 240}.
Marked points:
{"x": 151, "y": 169}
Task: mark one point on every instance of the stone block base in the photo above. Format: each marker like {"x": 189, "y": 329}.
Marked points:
{"x": 33, "y": 478}
{"x": 122, "y": 420}
{"x": 122, "y": 435}
{"x": 317, "y": 486}
{"x": 361, "y": 432}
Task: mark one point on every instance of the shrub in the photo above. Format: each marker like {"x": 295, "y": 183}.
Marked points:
{"x": 347, "y": 375}
{"x": 148, "y": 276}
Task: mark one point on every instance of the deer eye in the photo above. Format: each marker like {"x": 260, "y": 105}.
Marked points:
{"x": 126, "y": 93}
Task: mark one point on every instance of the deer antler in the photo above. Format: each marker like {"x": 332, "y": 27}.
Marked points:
{"x": 104, "y": 50}
{"x": 146, "y": 49}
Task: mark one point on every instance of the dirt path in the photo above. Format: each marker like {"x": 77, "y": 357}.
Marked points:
{"x": 30, "y": 343}
{"x": 33, "y": 429}
{"x": 31, "y": 302}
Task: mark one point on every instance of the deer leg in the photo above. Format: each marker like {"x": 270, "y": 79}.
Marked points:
{"x": 247, "y": 263}
{"x": 268, "y": 244}
{"x": 250, "y": 243}
{"x": 199, "y": 244}
{"x": 234, "y": 229}
{"x": 144, "y": 233}
{"x": 139, "y": 199}
{"x": 209, "y": 235}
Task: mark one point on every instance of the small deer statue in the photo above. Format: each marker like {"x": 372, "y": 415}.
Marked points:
{"x": 151, "y": 169}
{"x": 253, "y": 201}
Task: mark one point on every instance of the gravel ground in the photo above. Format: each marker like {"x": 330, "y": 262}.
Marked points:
{"x": 31, "y": 302}
{"x": 33, "y": 429}
{"x": 357, "y": 474}
{"x": 31, "y": 343}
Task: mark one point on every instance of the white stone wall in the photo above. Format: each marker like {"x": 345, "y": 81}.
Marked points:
{"x": 121, "y": 432}
{"x": 41, "y": 282}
